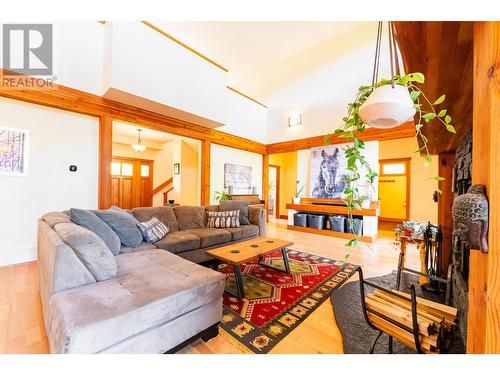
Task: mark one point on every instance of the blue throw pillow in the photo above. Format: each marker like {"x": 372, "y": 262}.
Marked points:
{"x": 124, "y": 225}
{"x": 153, "y": 230}
{"x": 92, "y": 222}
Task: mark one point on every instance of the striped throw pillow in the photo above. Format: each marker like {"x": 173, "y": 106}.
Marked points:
{"x": 153, "y": 230}
{"x": 226, "y": 219}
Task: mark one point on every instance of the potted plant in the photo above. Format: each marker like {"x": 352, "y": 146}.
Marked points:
{"x": 298, "y": 192}
{"x": 222, "y": 196}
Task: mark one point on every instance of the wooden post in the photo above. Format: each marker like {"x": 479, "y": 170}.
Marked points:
{"x": 105, "y": 158}
{"x": 265, "y": 182}
{"x": 446, "y": 160}
{"x": 483, "y": 329}
{"x": 206, "y": 147}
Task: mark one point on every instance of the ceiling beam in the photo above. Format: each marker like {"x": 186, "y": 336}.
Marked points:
{"x": 406, "y": 130}
{"x": 442, "y": 51}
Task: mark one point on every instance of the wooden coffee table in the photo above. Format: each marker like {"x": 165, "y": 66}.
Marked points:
{"x": 242, "y": 252}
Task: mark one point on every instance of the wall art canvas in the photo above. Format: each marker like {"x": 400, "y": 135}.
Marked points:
{"x": 237, "y": 176}
{"x": 14, "y": 148}
{"x": 328, "y": 172}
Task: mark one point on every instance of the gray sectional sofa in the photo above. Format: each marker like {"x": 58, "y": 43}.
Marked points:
{"x": 158, "y": 300}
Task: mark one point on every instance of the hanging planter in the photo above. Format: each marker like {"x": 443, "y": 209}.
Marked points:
{"x": 387, "y": 107}
{"x": 386, "y": 103}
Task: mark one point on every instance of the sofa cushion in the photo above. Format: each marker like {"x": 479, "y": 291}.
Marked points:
{"x": 178, "y": 242}
{"x": 165, "y": 214}
{"x": 210, "y": 236}
{"x": 226, "y": 219}
{"x": 230, "y": 205}
{"x": 54, "y": 218}
{"x": 90, "y": 249}
{"x": 92, "y": 222}
{"x": 153, "y": 287}
{"x": 244, "y": 231}
{"x": 153, "y": 230}
{"x": 124, "y": 225}
{"x": 190, "y": 217}
{"x": 142, "y": 246}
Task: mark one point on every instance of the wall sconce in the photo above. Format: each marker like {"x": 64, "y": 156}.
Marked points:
{"x": 295, "y": 119}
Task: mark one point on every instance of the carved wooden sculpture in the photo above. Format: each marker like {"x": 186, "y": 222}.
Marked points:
{"x": 470, "y": 217}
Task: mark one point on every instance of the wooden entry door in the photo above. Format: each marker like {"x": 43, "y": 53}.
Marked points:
{"x": 131, "y": 182}
{"x": 394, "y": 189}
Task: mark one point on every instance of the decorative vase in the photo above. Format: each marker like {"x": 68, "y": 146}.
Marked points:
{"x": 387, "y": 107}
{"x": 296, "y": 200}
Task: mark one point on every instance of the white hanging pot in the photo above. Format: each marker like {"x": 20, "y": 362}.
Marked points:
{"x": 387, "y": 107}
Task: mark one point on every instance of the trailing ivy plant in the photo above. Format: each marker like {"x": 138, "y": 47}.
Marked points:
{"x": 353, "y": 126}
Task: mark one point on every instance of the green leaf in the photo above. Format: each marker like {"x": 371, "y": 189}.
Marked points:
{"x": 438, "y": 178}
{"x": 429, "y": 116}
{"x": 418, "y": 77}
{"x": 447, "y": 119}
{"x": 442, "y": 113}
{"x": 439, "y": 191}
{"x": 440, "y": 100}
{"x": 326, "y": 139}
{"x": 419, "y": 126}
{"x": 414, "y": 95}
{"x": 450, "y": 128}
{"x": 428, "y": 158}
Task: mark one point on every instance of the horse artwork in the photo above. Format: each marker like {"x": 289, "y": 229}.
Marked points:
{"x": 328, "y": 177}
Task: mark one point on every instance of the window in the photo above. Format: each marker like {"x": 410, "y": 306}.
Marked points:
{"x": 127, "y": 169}
{"x": 393, "y": 169}
{"x": 116, "y": 169}
{"x": 144, "y": 170}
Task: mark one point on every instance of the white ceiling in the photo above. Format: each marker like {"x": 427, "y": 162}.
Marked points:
{"x": 253, "y": 51}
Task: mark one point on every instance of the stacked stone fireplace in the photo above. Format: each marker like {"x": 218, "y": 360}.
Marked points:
{"x": 460, "y": 252}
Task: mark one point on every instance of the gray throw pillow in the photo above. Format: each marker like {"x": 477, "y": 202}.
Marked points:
{"x": 236, "y": 205}
{"x": 153, "y": 230}
{"x": 124, "y": 225}
{"x": 92, "y": 222}
{"x": 90, "y": 249}
{"x": 226, "y": 219}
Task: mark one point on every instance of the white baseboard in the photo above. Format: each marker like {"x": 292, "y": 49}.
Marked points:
{"x": 15, "y": 256}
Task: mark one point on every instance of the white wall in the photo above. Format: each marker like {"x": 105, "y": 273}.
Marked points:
{"x": 245, "y": 118}
{"x": 221, "y": 155}
{"x": 145, "y": 63}
{"x": 371, "y": 154}
{"x": 58, "y": 139}
{"x": 78, "y": 55}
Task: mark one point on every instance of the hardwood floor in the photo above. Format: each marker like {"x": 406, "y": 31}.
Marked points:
{"x": 21, "y": 320}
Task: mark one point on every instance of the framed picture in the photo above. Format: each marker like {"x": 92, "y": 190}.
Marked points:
{"x": 14, "y": 151}
{"x": 177, "y": 168}
{"x": 328, "y": 172}
{"x": 237, "y": 176}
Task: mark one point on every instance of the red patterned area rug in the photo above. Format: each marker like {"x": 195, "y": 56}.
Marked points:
{"x": 275, "y": 302}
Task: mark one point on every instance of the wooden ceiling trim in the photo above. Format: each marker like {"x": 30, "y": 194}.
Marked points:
{"x": 405, "y": 131}
{"x": 443, "y": 52}
{"x": 246, "y": 96}
{"x": 174, "y": 39}
{"x": 73, "y": 100}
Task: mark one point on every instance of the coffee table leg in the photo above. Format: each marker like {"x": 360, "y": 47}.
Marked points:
{"x": 239, "y": 282}
{"x": 284, "y": 253}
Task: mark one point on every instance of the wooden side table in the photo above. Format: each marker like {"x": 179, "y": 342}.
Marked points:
{"x": 422, "y": 280}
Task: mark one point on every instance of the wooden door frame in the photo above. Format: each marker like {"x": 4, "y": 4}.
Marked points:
{"x": 278, "y": 184}
{"x": 407, "y": 162}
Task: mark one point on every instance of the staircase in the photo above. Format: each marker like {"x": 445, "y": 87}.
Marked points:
{"x": 166, "y": 188}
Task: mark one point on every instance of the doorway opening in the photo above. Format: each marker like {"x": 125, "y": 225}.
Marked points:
{"x": 176, "y": 162}
{"x": 274, "y": 191}
{"x": 394, "y": 190}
